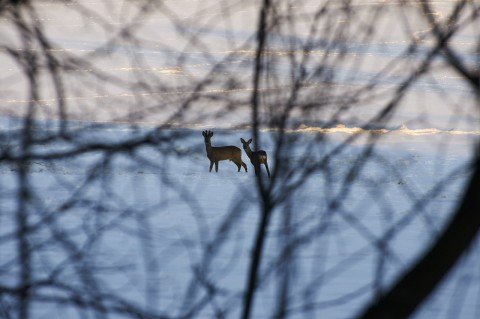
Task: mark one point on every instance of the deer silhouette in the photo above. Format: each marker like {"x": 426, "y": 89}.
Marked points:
{"x": 257, "y": 158}
{"x": 222, "y": 153}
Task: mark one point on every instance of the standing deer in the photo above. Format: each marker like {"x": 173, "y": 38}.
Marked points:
{"x": 222, "y": 153}
{"x": 257, "y": 158}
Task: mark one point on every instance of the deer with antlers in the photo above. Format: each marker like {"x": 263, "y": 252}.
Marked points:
{"x": 257, "y": 158}
{"x": 221, "y": 153}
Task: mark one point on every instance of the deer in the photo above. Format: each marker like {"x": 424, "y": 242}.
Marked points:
{"x": 222, "y": 153}
{"x": 257, "y": 158}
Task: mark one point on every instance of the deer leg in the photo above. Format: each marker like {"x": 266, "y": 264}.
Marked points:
{"x": 236, "y": 163}
{"x": 239, "y": 165}
{"x": 211, "y": 165}
{"x": 244, "y": 166}
{"x": 268, "y": 171}
{"x": 257, "y": 169}
{"x": 216, "y": 166}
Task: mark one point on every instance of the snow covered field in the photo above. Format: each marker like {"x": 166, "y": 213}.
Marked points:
{"x": 143, "y": 222}
{"x": 123, "y": 216}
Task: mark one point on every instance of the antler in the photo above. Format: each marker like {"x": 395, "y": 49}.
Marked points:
{"x": 207, "y": 133}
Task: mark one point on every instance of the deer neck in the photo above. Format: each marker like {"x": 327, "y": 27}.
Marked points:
{"x": 208, "y": 147}
{"x": 249, "y": 152}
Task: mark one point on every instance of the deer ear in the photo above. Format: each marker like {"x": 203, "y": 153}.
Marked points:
{"x": 249, "y": 141}
{"x": 211, "y": 133}
{"x": 242, "y": 140}
{"x": 203, "y": 133}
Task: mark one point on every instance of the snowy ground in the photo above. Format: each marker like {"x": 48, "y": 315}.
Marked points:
{"x": 143, "y": 221}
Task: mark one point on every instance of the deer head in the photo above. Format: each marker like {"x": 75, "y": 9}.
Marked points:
{"x": 207, "y": 135}
{"x": 246, "y": 145}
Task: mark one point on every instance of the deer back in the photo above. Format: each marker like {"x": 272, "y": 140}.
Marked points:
{"x": 261, "y": 156}
{"x": 221, "y": 153}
